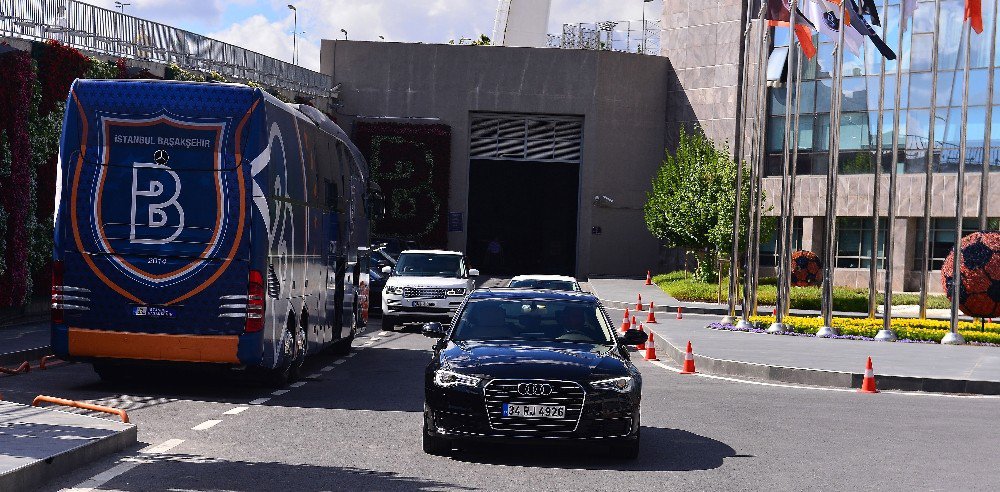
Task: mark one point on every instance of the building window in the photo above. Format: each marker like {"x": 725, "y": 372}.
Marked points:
{"x": 943, "y": 239}
{"x": 769, "y": 248}
{"x": 854, "y": 242}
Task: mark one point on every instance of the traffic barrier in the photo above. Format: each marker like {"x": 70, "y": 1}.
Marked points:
{"x": 649, "y": 278}
{"x": 638, "y": 304}
{"x": 688, "y": 367}
{"x": 651, "y": 318}
{"x": 642, "y": 344}
{"x": 868, "y": 384}
{"x": 680, "y": 312}
{"x": 24, "y": 367}
{"x": 79, "y": 404}
{"x": 651, "y": 347}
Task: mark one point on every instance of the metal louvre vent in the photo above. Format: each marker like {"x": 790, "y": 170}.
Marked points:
{"x": 424, "y": 293}
{"x": 566, "y": 393}
{"x": 526, "y": 137}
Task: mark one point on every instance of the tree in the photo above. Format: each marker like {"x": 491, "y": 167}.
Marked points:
{"x": 691, "y": 205}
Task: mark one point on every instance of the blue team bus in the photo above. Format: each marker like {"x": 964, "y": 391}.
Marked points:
{"x": 206, "y": 223}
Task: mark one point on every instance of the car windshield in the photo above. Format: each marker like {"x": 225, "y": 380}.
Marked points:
{"x": 429, "y": 265}
{"x": 543, "y": 284}
{"x": 533, "y": 320}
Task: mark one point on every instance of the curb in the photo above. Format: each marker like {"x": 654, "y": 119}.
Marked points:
{"x": 830, "y": 379}
{"x": 20, "y": 356}
{"x": 33, "y": 475}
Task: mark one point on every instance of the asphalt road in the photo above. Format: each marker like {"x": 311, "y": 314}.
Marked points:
{"x": 355, "y": 425}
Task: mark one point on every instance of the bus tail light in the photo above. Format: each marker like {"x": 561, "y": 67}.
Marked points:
{"x": 58, "y": 268}
{"x": 255, "y": 302}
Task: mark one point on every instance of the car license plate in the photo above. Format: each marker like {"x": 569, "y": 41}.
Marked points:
{"x": 544, "y": 411}
{"x": 153, "y": 312}
{"x": 422, "y": 304}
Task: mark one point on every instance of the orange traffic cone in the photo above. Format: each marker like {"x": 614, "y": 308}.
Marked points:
{"x": 775, "y": 313}
{"x": 688, "y": 367}
{"x": 634, "y": 324}
{"x": 638, "y": 304}
{"x": 680, "y": 312}
{"x": 651, "y": 318}
{"x": 626, "y": 314}
{"x": 642, "y": 345}
{"x": 649, "y": 278}
{"x": 651, "y": 347}
{"x": 868, "y": 384}
{"x": 626, "y": 325}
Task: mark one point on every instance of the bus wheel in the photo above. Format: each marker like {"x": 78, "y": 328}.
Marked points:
{"x": 290, "y": 358}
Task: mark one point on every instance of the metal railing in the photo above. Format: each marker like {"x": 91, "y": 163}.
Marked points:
{"x": 111, "y": 33}
{"x": 628, "y": 36}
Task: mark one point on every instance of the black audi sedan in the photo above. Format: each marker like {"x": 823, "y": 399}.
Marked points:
{"x": 518, "y": 365}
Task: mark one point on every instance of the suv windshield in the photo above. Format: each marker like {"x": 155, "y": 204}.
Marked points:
{"x": 533, "y": 320}
{"x": 430, "y": 265}
{"x": 543, "y": 284}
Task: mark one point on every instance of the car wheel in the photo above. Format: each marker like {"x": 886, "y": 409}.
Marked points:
{"x": 433, "y": 444}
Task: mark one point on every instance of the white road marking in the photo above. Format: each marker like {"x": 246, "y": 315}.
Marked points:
{"x": 375, "y": 339}
{"x": 279, "y": 392}
{"x": 327, "y": 368}
{"x": 314, "y": 375}
{"x": 235, "y": 411}
{"x": 341, "y": 361}
{"x": 122, "y": 468}
{"x": 208, "y": 424}
{"x": 298, "y": 384}
{"x": 818, "y": 388}
{"x": 260, "y": 401}
{"x": 384, "y": 334}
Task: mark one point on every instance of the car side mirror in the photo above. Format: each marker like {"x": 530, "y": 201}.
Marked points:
{"x": 433, "y": 330}
{"x": 387, "y": 270}
{"x": 633, "y": 337}
{"x": 473, "y": 272}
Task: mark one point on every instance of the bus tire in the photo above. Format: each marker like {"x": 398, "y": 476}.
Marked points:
{"x": 287, "y": 372}
{"x": 344, "y": 345}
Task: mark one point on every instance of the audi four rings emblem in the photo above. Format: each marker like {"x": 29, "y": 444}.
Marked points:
{"x": 534, "y": 389}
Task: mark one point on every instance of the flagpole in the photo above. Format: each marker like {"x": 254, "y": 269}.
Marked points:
{"x": 953, "y": 337}
{"x": 761, "y": 161}
{"x": 791, "y": 183}
{"x": 877, "y": 186}
{"x": 984, "y": 182}
{"x": 734, "y": 264}
{"x": 781, "y": 299}
{"x": 832, "y": 175}
{"x": 929, "y": 169}
{"x": 886, "y": 334}
{"x": 749, "y": 290}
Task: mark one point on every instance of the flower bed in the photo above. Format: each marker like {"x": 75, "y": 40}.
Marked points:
{"x": 907, "y": 329}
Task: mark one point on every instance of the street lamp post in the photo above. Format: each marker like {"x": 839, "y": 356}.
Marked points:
{"x": 644, "y": 2}
{"x": 121, "y": 6}
{"x": 345, "y": 33}
{"x": 295, "y": 34}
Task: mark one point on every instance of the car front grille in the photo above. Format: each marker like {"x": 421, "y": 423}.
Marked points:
{"x": 569, "y": 394}
{"x": 424, "y": 292}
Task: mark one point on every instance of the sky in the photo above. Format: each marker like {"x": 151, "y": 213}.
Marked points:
{"x": 266, "y": 26}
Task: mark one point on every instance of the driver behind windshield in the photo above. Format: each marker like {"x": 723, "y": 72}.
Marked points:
{"x": 558, "y": 321}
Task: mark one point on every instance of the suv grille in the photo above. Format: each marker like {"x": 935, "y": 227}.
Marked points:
{"x": 424, "y": 293}
{"x": 566, "y": 393}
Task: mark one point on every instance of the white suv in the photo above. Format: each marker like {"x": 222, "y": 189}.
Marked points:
{"x": 425, "y": 285}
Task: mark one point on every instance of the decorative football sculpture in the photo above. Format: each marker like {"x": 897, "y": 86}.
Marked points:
{"x": 979, "y": 288}
{"x": 807, "y": 269}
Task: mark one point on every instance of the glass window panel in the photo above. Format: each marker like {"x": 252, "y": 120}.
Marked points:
{"x": 921, "y": 48}
{"x": 978, "y": 87}
{"x": 920, "y": 90}
{"x": 806, "y": 123}
{"x": 823, "y": 91}
{"x": 808, "y": 97}
{"x": 825, "y": 60}
{"x": 821, "y": 134}
{"x": 945, "y": 82}
{"x": 775, "y": 134}
{"x": 781, "y": 36}
{"x": 923, "y": 18}
{"x": 776, "y": 101}
{"x": 854, "y": 131}
{"x": 855, "y": 96}
{"x": 950, "y": 35}
{"x": 981, "y": 42}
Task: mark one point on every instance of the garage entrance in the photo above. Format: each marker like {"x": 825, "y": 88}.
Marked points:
{"x": 524, "y": 182}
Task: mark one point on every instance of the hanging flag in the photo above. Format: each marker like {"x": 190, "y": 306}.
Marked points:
{"x": 974, "y": 14}
{"x": 778, "y": 14}
{"x": 868, "y": 8}
{"x": 907, "y": 10}
{"x": 825, "y": 15}
{"x": 859, "y": 24}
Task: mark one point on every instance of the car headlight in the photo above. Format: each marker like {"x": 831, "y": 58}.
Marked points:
{"x": 455, "y": 292}
{"x": 447, "y": 379}
{"x": 621, "y": 385}
{"x": 394, "y": 290}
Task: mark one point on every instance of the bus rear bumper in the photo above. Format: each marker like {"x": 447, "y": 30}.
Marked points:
{"x": 84, "y": 343}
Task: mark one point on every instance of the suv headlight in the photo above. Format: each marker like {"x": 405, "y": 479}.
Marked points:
{"x": 455, "y": 292}
{"x": 447, "y": 379}
{"x": 621, "y": 385}
{"x": 394, "y": 290}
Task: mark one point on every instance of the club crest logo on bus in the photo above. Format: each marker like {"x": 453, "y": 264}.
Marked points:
{"x": 155, "y": 191}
